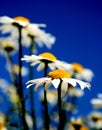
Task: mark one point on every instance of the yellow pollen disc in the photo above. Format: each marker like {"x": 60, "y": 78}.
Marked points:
{"x": 84, "y": 128}
{"x": 7, "y": 44}
{"x": 58, "y": 74}
{"x": 48, "y": 55}
{"x": 20, "y": 18}
{"x": 77, "y": 67}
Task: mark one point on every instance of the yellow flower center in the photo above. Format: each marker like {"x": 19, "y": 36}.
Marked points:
{"x": 48, "y": 56}
{"x": 77, "y": 67}
{"x": 58, "y": 74}
{"x": 84, "y": 128}
{"x": 20, "y": 18}
{"x": 8, "y": 46}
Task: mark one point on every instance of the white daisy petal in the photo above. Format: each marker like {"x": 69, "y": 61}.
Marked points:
{"x": 35, "y": 63}
{"x": 37, "y": 25}
{"x": 56, "y": 82}
{"x": 6, "y": 19}
{"x": 64, "y": 86}
{"x": 87, "y": 74}
{"x": 70, "y": 81}
{"x": 52, "y": 66}
{"x": 30, "y": 85}
{"x": 41, "y": 66}
{"x": 38, "y": 81}
{"x": 38, "y": 85}
{"x": 34, "y": 81}
{"x": 83, "y": 84}
{"x": 47, "y": 85}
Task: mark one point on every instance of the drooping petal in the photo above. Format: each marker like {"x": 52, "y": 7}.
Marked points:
{"x": 87, "y": 74}
{"x": 30, "y": 85}
{"x": 70, "y": 81}
{"x": 47, "y": 85}
{"x": 56, "y": 82}
{"x": 41, "y": 66}
{"x": 38, "y": 85}
{"x": 64, "y": 86}
{"x": 35, "y": 63}
{"x": 6, "y": 19}
{"x": 83, "y": 84}
{"x": 52, "y": 66}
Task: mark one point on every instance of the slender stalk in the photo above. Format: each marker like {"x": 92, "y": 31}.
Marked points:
{"x": 25, "y": 127}
{"x": 31, "y": 88}
{"x": 60, "y": 127}
{"x": 10, "y": 66}
{"x": 45, "y": 101}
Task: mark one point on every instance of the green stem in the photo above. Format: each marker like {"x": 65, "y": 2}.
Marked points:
{"x": 25, "y": 127}
{"x": 31, "y": 88}
{"x": 60, "y": 127}
{"x": 45, "y": 101}
{"x": 13, "y": 78}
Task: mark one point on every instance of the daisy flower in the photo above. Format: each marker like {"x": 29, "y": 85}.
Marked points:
{"x": 55, "y": 77}
{"x": 97, "y": 102}
{"x": 29, "y": 30}
{"x": 43, "y": 59}
{"x": 77, "y": 124}
{"x": 60, "y": 80}
{"x": 78, "y": 71}
{"x": 7, "y": 45}
{"x": 95, "y": 120}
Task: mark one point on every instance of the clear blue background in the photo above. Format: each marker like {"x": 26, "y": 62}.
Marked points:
{"x": 77, "y": 26}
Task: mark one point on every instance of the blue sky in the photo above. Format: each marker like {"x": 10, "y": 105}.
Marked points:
{"x": 77, "y": 26}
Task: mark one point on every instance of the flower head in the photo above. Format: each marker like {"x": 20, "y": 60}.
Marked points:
{"x": 77, "y": 125}
{"x": 78, "y": 71}
{"x": 16, "y": 20}
{"x": 29, "y": 30}
{"x": 56, "y": 77}
{"x": 95, "y": 120}
{"x": 43, "y": 59}
{"x": 7, "y": 45}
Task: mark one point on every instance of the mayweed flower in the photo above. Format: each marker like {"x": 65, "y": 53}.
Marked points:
{"x": 77, "y": 125}
{"x": 78, "y": 71}
{"x": 7, "y": 45}
{"x": 56, "y": 77}
{"x": 28, "y": 30}
{"x": 95, "y": 120}
{"x": 97, "y": 102}
{"x": 43, "y": 60}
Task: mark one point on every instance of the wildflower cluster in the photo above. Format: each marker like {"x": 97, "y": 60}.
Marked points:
{"x": 57, "y": 91}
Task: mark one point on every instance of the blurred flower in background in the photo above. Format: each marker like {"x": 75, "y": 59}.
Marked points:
{"x": 30, "y": 31}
